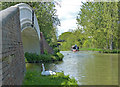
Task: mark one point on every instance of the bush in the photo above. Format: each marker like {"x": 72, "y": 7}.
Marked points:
{"x": 34, "y": 58}
{"x": 111, "y": 51}
{"x": 31, "y": 57}
{"x": 53, "y": 58}
{"x": 45, "y": 58}
{"x": 46, "y": 52}
{"x": 56, "y": 50}
{"x": 60, "y": 56}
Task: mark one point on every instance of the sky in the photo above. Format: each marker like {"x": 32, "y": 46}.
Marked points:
{"x": 67, "y": 14}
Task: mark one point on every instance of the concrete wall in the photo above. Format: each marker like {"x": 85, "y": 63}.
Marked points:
{"x": 0, "y": 49}
{"x": 12, "y": 55}
{"x": 30, "y": 39}
{"x": 44, "y": 45}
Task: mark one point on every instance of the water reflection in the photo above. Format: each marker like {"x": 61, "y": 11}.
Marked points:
{"x": 89, "y": 68}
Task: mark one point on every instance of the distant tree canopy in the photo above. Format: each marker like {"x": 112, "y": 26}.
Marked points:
{"x": 97, "y": 27}
{"x": 47, "y": 18}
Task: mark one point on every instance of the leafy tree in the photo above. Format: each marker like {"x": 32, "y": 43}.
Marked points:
{"x": 97, "y": 27}
{"x": 99, "y": 22}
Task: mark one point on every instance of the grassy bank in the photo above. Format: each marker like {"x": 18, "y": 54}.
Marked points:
{"x": 34, "y": 58}
{"x": 35, "y": 78}
{"x": 100, "y": 50}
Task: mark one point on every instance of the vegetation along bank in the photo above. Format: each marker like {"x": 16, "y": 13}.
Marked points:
{"x": 35, "y": 78}
{"x": 35, "y": 58}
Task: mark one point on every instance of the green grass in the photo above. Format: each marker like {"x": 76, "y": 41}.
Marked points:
{"x": 35, "y": 78}
{"x": 100, "y": 50}
{"x": 90, "y": 49}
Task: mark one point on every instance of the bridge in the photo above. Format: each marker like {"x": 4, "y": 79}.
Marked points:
{"x": 19, "y": 33}
{"x": 29, "y": 28}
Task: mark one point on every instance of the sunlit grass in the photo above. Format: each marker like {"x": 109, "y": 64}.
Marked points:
{"x": 100, "y": 50}
{"x": 35, "y": 78}
{"x": 90, "y": 49}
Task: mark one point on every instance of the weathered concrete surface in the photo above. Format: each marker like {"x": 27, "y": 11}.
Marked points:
{"x": 13, "y": 62}
{"x": 31, "y": 42}
{"x": 44, "y": 45}
{"x": 0, "y": 50}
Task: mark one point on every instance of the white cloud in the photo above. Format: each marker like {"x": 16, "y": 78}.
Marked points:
{"x": 67, "y": 14}
{"x": 66, "y": 25}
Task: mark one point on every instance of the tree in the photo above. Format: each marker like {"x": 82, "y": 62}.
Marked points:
{"x": 99, "y": 22}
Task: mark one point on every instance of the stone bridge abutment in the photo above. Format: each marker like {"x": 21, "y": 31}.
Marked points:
{"x": 12, "y": 55}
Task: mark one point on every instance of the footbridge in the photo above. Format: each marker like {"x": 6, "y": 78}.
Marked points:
{"x": 19, "y": 33}
{"x": 29, "y": 28}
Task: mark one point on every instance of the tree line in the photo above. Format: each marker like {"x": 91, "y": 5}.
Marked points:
{"x": 97, "y": 27}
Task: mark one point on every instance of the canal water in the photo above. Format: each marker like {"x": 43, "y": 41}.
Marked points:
{"x": 87, "y": 67}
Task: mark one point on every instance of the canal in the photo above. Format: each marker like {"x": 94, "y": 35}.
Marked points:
{"x": 87, "y": 67}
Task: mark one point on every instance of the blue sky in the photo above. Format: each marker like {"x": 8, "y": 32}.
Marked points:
{"x": 67, "y": 14}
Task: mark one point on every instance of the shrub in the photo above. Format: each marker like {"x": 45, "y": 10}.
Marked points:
{"x": 30, "y": 56}
{"x": 46, "y": 52}
{"x": 60, "y": 56}
{"x": 33, "y": 57}
{"x": 111, "y": 51}
{"x": 56, "y": 50}
{"x": 53, "y": 58}
{"x": 45, "y": 58}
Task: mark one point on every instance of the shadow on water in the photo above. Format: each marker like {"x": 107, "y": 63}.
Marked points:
{"x": 87, "y": 67}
